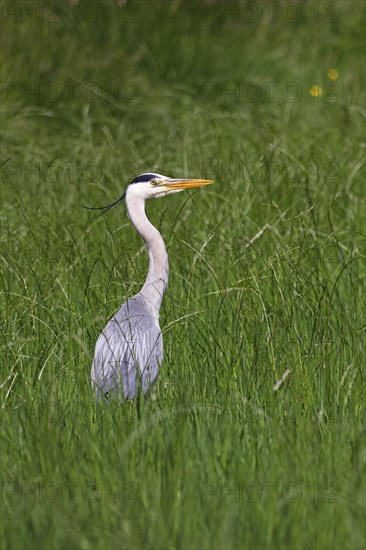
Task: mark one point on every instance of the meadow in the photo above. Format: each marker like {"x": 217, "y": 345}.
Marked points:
{"x": 254, "y": 435}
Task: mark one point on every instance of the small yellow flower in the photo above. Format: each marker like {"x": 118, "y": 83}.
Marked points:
{"x": 316, "y": 90}
{"x": 333, "y": 74}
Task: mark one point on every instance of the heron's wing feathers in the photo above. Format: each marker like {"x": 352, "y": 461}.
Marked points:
{"x": 113, "y": 368}
{"x": 128, "y": 344}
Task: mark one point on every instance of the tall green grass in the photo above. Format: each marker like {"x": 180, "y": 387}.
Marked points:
{"x": 254, "y": 436}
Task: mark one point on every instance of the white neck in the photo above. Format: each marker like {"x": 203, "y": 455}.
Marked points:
{"x": 157, "y": 278}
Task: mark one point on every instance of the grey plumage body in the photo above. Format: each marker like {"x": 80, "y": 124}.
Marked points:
{"x": 129, "y": 351}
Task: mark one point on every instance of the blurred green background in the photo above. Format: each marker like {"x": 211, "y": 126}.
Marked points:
{"x": 254, "y": 436}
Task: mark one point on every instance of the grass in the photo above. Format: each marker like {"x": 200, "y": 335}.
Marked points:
{"x": 254, "y": 434}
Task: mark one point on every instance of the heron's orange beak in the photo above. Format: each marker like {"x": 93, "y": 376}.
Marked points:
{"x": 185, "y": 184}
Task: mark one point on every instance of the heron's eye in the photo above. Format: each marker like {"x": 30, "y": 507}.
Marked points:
{"x": 154, "y": 182}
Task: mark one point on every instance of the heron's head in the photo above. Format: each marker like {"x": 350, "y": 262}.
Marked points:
{"x": 150, "y": 186}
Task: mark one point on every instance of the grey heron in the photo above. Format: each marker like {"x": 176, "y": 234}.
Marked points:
{"x": 129, "y": 350}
